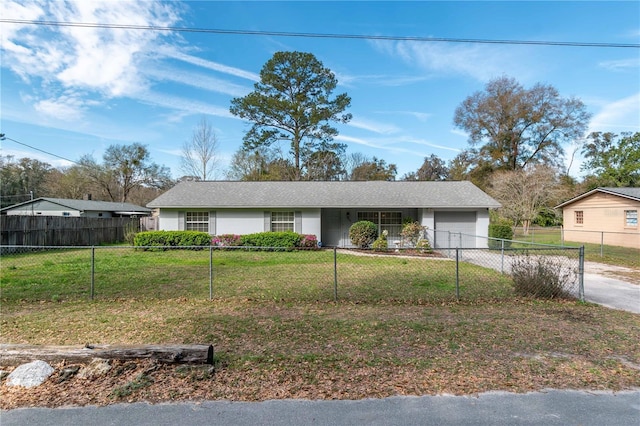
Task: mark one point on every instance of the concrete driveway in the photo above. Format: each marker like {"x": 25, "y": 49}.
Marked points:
{"x": 599, "y": 286}
{"x": 604, "y": 290}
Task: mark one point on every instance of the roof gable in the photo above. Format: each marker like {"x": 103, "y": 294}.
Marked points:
{"x": 629, "y": 193}
{"x": 85, "y": 205}
{"x": 323, "y": 194}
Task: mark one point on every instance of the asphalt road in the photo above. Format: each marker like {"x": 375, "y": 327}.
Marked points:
{"x": 493, "y": 408}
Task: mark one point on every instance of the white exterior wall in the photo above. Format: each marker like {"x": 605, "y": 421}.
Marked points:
{"x": 482, "y": 228}
{"x": 311, "y": 223}
{"x": 28, "y": 212}
{"x": 427, "y": 218}
{"x": 168, "y": 220}
{"x": 241, "y": 221}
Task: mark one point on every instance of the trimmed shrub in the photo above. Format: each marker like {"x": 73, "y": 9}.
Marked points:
{"x": 287, "y": 240}
{"x": 363, "y": 233}
{"x": 503, "y": 231}
{"x": 381, "y": 243}
{"x": 541, "y": 277}
{"x": 424, "y": 246}
{"x": 412, "y": 232}
{"x": 172, "y": 239}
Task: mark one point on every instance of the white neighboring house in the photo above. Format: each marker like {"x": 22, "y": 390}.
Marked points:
{"x": 328, "y": 209}
{"x": 45, "y": 206}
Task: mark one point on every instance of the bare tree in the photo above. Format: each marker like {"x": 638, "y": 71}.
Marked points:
{"x": 523, "y": 193}
{"x": 200, "y": 154}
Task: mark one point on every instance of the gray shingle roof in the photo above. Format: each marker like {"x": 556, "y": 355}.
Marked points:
{"x": 89, "y": 205}
{"x": 630, "y": 193}
{"x": 342, "y": 194}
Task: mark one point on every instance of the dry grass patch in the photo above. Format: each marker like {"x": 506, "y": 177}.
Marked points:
{"x": 322, "y": 350}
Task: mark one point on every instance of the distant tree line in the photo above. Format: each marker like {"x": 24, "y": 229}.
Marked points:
{"x": 516, "y": 137}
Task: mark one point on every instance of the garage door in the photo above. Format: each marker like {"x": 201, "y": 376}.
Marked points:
{"x": 455, "y": 229}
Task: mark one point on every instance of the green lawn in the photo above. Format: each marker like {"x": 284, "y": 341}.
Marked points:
{"x": 122, "y": 272}
{"x": 396, "y": 328}
{"x": 613, "y": 255}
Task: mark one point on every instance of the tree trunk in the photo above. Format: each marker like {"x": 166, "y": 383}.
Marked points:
{"x": 186, "y": 354}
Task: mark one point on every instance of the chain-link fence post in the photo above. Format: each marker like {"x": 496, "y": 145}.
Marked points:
{"x": 581, "y": 274}
{"x": 210, "y": 272}
{"x": 335, "y": 274}
{"x": 93, "y": 270}
{"x": 502, "y": 256}
{"x": 457, "y": 274}
{"x": 602, "y": 244}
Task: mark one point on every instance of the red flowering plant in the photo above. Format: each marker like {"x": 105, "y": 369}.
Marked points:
{"x": 308, "y": 241}
{"x": 226, "y": 240}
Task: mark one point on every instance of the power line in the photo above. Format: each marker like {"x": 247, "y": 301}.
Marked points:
{"x": 3, "y": 137}
{"x": 319, "y": 35}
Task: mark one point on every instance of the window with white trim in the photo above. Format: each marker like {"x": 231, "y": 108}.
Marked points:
{"x": 386, "y": 221}
{"x": 283, "y": 221}
{"x": 631, "y": 218}
{"x": 197, "y": 221}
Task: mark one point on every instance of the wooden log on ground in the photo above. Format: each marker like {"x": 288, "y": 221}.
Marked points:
{"x": 184, "y": 354}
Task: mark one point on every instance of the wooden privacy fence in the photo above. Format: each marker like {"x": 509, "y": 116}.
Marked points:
{"x": 65, "y": 231}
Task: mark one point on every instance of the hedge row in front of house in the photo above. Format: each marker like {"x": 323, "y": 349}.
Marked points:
{"x": 285, "y": 240}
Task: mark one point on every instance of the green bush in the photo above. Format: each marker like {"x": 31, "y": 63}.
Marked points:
{"x": 412, "y": 232}
{"x": 172, "y": 239}
{"x": 502, "y": 231}
{"x": 287, "y": 240}
{"x": 381, "y": 244}
{"x": 424, "y": 246}
{"x": 363, "y": 233}
{"x": 541, "y": 277}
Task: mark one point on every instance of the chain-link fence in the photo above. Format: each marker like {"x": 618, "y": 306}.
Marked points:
{"x": 597, "y": 243}
{"x": 328, "y": 274}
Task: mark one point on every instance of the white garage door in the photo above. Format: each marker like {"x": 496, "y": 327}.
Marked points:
{"x": 455, "y": 229}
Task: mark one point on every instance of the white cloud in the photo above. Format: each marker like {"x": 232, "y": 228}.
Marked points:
{"x": 395, "y": 145}
{"x": 481, "y": 62}
{"x": 185, "y": 105}
{"x": 618, "y": 116}
{"x": 432, "y": 145}
{"x": 215, "y": 66}
{"x": 105, "y": 61}
{"x": 621, "y": 64}
{"x": 420, "y": 116}
{"x": 374, "y": 126}
{"x": 459, "y": 132}
{"x": 198, "y": 80}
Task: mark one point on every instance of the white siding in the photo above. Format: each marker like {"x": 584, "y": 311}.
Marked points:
{"x": 482, "y": 228}
{"x": 168, "y": 220}
{"x": 240, "y": 221}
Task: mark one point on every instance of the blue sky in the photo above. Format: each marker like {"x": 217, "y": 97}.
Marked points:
{"x": 74, "y": 91}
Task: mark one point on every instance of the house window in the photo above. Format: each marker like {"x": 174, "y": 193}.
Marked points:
{"x": 389, "y": 221}
{"x": 282, "y": 221}
{"x": 66, "y": 214}
{"x": 579, "y": 217}
{"x": 197, "y": 221}
{"x": 631, "y": 218}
